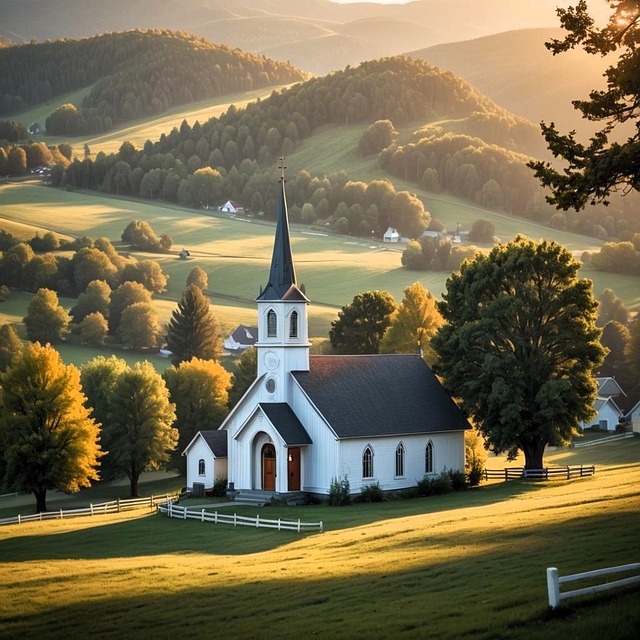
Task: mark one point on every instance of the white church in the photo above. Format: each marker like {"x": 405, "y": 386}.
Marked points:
{"x": 308, "y": 420}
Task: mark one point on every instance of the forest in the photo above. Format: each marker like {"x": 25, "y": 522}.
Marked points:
{"x": 134, "y": 74}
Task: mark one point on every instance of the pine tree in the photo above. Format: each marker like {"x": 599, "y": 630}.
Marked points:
{"x": 193, "y": 329}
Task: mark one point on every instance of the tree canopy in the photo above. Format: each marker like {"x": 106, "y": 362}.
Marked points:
{"x": 413, "y": 324}
{"x": 595, "y": 170}
{"x": 361, "y": 324}
{"x": 200, "y": 391}
{"x": 520, "y": 346}
{"x": 48, "y": 439}
{"x": 46, "y": 319}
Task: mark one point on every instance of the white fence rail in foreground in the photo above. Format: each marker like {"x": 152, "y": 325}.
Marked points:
{"x": 554, "y": 580}
{"x": 114, "y": 506}
{"x": 592, "y": 443}
{"x": 176, "y": 511}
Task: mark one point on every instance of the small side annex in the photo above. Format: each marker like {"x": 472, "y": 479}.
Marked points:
{"x": 206, "y": 458}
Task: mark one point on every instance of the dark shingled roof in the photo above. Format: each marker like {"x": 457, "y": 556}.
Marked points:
{"x": 378, "y": 395}
{"x": 217, "y": 441}
{"x": 286, "y": 423}
{"x": 282, "y": 276}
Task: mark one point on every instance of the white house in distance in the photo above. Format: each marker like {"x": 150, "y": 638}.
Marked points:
{"x": 608, "y": 413}
{"x": 634, "y": 417}
{"x": 308, "y": 420}
{"x": 242, "y": 338}
{"x": 231, "y": 206}
{"x": 391, "y": 235}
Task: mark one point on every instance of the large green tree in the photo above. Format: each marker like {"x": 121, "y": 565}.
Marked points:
{"x": 414, "y": 324}
{"x": 520, "y": 346}
{"x": 46, "y": 319}
{"x": 200, "y": 391}
{"x": 138, "y": 434}
{"x": 361, "y": 325}
{"x": 94, "y": 299}
{"x": 48, "y": 439}
{"x": 193, "y": 329}
{"x": 602, "y": 166}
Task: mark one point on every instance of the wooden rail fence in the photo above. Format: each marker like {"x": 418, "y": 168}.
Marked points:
{"x": 554, "y": 580}
{"x": 114, "y": 506}
{"x": 176, "y": 511}
{"x": 563, "y": 473}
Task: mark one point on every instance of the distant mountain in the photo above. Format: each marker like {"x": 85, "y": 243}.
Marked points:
{"x": 517, "y": 71}
{"x": 132, "y": 75}
{"x": 315, "y": 35}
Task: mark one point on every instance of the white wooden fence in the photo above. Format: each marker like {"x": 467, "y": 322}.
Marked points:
{"x": 176, "y": 511}
{"x": 554, "y": 580}
{"x": 114, "y": 506}
{"x": 592, "y": 443}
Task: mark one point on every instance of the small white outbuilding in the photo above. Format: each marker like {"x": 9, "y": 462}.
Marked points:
{"x": 206, "y": 458}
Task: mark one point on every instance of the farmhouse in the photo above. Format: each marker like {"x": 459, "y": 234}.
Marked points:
{"x": 608, "y": 413}
{"x": 241, "y": 339}
{"x": 309, "y": 420}
{"x": 231, "y": 206}
{"x": 391, "y": 235}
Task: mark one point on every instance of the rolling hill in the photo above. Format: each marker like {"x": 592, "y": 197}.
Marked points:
{"x": 517, "y": 71}
{"x": 315, "y": 35}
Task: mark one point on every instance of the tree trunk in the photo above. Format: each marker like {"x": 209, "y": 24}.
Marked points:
{"x": 41, "y": 500}
{"x": 134, "y": 476}
{"x": 533, "y": 454}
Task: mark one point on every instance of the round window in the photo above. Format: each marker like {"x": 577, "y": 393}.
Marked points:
{"x": 271, "y": 385}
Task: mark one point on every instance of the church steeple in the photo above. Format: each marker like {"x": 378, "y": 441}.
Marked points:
{"x": 282, "y": 276}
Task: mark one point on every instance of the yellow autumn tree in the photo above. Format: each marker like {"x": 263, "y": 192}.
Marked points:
{"x": 413, "y": 324}
{"x": 47, "y": 437}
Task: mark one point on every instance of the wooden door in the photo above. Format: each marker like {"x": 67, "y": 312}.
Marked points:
{"x": 268, "y": 467}
{"x": 293, "y": 469}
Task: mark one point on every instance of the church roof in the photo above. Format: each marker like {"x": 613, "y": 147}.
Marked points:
{"x": 379, "y": 395}
{"x": 217, "y": 442}
{"x": 286, "y": 423}
{"x": 282, "y": 276}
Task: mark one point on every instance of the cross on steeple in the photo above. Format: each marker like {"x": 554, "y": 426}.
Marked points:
{"x": 282, "y": 167}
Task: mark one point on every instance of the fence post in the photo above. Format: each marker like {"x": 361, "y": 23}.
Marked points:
{"x": 184, "y": 513}
{"x": 215, "y": 517}
{"x": 170, "y": 510}
{"x": 234, "y": 519}
{"x": 202, "y": 515}
{"x": 298, "y": 525}
{"x": 118, "y": 505}
{"x": 19, "y": 519}
{"x": 61, "y": 516}
{"x": 553, "y": 587}
{"x": 257, "y": 521}
{"x": 278, "y": 524}
{"x": 91, "y": 505}
{"x": 321, "y": 527}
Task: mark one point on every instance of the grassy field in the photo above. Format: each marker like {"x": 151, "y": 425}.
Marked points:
{"x": 466, "y": 565}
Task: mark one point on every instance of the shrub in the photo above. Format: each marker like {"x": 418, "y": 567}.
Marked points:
{"x": 220, "y": 487}
{"x": 458, "y": 482}
{"x": 475, "y": 457}
{"x": 339, "y": 492}
{"x": 442, "y": 483}
{"x": 5, "y": 292}
{"x": 371, "y": 493}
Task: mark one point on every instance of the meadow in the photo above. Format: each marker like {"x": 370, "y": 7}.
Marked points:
{"x": 464, "y": 565}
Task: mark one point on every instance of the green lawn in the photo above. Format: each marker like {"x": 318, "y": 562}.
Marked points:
{"x": 466, "y": 565}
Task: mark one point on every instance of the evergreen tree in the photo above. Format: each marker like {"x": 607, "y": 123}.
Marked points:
{"x": 243, "y": 376}
{"x": 193, "y": 329}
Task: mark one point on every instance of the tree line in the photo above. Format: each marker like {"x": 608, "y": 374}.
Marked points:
{"x": 134, "y": 74}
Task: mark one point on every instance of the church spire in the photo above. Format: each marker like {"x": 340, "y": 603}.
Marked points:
{"x": 282, "y": 276}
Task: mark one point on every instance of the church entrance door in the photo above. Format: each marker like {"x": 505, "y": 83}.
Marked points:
{"x": 293, "y": 469}
{"x": 268, "y": 467}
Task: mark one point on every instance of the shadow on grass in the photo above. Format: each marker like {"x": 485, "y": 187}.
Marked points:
{"x": 498, "y": 593}
{"x": 142, "y": 535}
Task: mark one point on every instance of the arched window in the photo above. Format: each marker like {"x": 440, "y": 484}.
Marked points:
{"x": 201, "y": 467}
{"x": 428, "y": 458}
{"x": 400, "y": 460}
{"x": 367, "y": 462}
{"x": 293, "y": 325}
{"x": 272, "y": 324}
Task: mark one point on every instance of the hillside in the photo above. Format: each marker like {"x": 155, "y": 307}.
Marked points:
{"x": 131, "y": 75}
{"x": 315, "y": 35}
{"x": 517, "y": 71}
